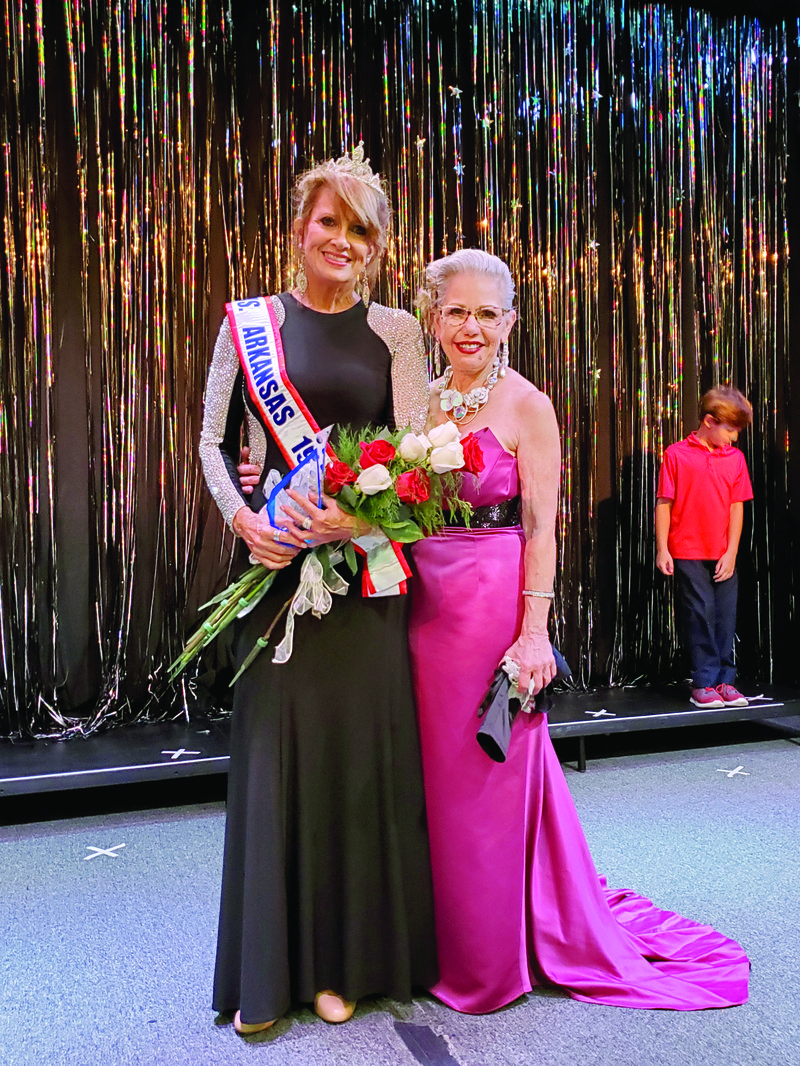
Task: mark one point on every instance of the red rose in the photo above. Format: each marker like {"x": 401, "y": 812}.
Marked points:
{"x": 473, "y": 454}
{"x": 379, "y": 451}
{"x": 414, "y": 486}
{"x": 338, "y": 474}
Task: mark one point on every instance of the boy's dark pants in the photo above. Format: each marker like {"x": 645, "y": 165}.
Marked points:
{"x": 707, "y": 613}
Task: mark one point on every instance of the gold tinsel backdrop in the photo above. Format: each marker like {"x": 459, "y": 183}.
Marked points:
{"x": 631, "y": 163}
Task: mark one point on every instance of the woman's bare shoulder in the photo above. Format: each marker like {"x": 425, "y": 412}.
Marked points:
{"x": 527, "y": 397}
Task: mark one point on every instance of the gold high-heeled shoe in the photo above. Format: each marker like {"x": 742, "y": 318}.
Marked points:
{"x": 332, "y": 1008}
{"x": 248, "y": 1028}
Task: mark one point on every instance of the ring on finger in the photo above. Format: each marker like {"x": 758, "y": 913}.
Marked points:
{"x": 306, "y": 523}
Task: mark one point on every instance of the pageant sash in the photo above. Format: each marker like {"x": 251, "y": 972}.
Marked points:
{"x": 258, "y": 343}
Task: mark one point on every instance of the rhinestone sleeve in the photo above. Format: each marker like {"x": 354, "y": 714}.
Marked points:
{"x": 222, "y": 379}
{"x": 402, "y": 335}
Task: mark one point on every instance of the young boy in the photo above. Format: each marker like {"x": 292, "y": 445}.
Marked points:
{"x": 702, "y": 487}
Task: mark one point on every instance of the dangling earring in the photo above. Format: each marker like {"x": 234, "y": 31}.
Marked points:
{"x": 300, "y": 279}
{"x": 436, "y": 359}
{"x": 362, "y": 288}
{"x": 501, "y": 373}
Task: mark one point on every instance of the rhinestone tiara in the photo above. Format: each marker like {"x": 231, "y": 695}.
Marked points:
{"x": 356, "y": 166}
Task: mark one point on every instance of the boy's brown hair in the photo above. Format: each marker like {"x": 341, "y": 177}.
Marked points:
{"x": 726, "y": 404}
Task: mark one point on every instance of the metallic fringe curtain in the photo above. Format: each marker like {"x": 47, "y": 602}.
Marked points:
{"x": 630, "y": 163}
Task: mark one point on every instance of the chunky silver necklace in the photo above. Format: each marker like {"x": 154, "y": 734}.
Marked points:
{"x": 460, "y": 407}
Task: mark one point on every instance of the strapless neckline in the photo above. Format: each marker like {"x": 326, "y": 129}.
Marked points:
{"x": 491, "y": 432}
{"x": 499, "y": 479}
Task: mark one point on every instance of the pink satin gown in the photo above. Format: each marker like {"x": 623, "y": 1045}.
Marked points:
{"x": 517, "y": 899}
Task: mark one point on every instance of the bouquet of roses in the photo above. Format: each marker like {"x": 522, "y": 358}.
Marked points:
{"x": 399, "y": 483}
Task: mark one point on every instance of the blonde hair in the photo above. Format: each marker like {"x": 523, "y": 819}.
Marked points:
{"x": 441, "y": 272}
{"x": 726, "y": 404}
{"x": 369, "y": 205}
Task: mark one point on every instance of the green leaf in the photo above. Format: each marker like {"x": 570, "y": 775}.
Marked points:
{"x": 347, "y": 496}
{"x": 323, "y": 553}
{"x": 403, "y": 532}
{"x": 350, "y": 556}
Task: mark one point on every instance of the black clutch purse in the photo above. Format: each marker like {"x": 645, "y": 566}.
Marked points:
{"x": 497, "y": 711}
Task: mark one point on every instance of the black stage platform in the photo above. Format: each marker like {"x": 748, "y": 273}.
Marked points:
{"x": 170, "y": 750}
{"x": 159, "y": 752}
{"x": 622, "y": 710}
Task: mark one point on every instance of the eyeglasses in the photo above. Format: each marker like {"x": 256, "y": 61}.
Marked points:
{"x": 454, "y": 315}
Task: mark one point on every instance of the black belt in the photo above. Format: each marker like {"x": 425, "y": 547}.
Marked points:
{"x": 492, "y": 516}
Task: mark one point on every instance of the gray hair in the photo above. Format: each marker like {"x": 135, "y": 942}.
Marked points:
{"x": 441, "y": 272}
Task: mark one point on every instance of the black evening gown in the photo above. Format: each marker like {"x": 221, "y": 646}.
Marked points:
{"x": 326, "y": 880}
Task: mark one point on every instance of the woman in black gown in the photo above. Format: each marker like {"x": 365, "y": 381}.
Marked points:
{"x": 326, "y": 891}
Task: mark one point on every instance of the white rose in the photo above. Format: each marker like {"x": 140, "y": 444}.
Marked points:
{"x": 374, "y": 479}
{"x": 447, "y": 433}
{"x": 448, "y": 457}
{"x": 414, "y": 447}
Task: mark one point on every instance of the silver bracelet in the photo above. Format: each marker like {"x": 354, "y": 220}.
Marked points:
{"x": 537, "y": 592}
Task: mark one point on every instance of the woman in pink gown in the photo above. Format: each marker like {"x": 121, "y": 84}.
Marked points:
{"x": 517, "y": 899}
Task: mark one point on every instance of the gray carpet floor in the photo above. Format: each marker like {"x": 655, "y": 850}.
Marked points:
{"x": 106, "y": 955}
